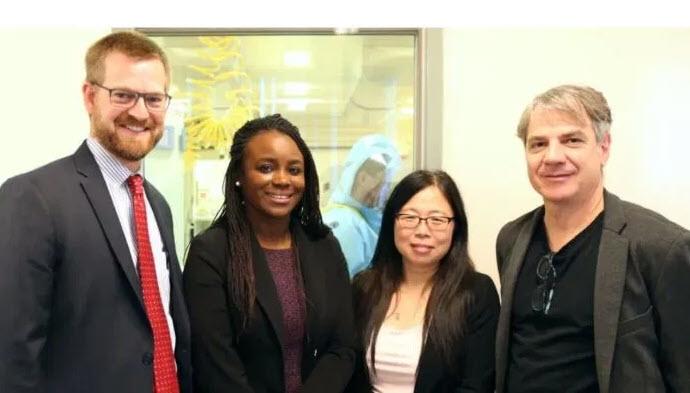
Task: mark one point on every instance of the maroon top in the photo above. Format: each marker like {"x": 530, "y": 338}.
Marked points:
{"x": 283, "y": 266}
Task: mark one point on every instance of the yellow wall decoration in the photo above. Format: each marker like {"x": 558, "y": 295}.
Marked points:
{"x": 222, "y": 98}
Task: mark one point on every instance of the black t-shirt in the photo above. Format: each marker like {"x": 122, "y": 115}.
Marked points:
{"x": 554, "y": 352}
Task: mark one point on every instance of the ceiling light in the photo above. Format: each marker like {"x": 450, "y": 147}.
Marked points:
{"x": 406, "y": 111}
{"x": 296, "y": 88}
{"x": 345, "y": 30}
{"x": 296, "y": 105}
{"x": 297, "y": 58}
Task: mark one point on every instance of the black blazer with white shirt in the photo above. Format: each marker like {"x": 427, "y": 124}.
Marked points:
{"x": 474, "y": 370}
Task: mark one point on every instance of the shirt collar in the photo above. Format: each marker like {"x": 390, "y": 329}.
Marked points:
{"x": 110, "y": 166}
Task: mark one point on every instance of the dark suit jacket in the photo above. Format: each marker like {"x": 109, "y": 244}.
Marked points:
{"x": 73, "y": 317}
{"x": 641, "y": 293}
{"x": 475, "y": 351}
{"x": 254, "y": 363}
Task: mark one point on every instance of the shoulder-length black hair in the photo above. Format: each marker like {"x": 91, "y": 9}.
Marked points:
{"x": 232, "y": 213}
{"x": 446, "y": 311}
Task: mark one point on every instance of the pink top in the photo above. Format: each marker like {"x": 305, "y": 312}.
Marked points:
{"x": 397, "y": 356}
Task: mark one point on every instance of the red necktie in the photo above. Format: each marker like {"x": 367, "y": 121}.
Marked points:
{"x": 164, "y": 374}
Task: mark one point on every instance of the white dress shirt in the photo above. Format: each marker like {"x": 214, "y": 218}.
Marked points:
{"x": 116, "y": 174}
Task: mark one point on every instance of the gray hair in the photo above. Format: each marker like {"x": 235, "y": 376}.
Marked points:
{"x": 577, "y": 101}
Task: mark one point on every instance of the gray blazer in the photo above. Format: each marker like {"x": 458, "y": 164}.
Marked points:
{"x": 73, "y": 317}
{"x": 641, "y": 295}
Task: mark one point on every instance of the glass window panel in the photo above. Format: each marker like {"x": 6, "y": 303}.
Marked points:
{"x": 335, "y": 88}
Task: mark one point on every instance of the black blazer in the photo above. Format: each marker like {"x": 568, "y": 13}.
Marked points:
{"x": 73, "y": 318}
{"x": 475, "y": 352}
{"x": 254, "y": 363}
{"x": 641, "y": 292}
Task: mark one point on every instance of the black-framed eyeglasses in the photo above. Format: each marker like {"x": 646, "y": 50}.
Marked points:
{"x": 546, "y": 278}
{"x": 436, "y": 223}
{"x": 155, "y": 102}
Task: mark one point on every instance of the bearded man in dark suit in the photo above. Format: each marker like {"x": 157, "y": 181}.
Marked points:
{"x": 90, "y": 286}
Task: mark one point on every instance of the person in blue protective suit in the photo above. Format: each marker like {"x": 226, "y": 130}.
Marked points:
{"x": 355, "y": 208}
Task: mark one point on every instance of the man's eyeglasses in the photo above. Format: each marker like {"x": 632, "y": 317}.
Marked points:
{"x": 546, "y": 276}
{"x": 155, "y": 102}
{"x": 436, "y": 223}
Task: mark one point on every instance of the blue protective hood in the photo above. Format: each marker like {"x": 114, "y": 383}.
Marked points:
{"x": 377, "y": 147}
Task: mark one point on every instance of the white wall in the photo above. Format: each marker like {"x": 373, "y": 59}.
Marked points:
{"x": 40, "y": 104}
{"x": 489, "y": 77}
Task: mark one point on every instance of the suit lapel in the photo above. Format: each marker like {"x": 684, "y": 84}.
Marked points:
{"x": 609, "y": 284}
{"x": 309, "y": 265}
{"x": 161, "y": 212}
{"x": 429, "y": 369}
{"x": 266, "y": 292}
{"x": 96, "y": 191}
{"x": 512, "y": 270}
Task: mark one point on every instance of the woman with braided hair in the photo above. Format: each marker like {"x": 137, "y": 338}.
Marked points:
{"x": 267, "y": 285}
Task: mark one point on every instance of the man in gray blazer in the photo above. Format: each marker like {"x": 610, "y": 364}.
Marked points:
{"x": 594, "y": 289}
{"x": 90, "y": 290}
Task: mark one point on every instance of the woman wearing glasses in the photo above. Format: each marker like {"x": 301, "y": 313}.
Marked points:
{"x": 426, "y": 319}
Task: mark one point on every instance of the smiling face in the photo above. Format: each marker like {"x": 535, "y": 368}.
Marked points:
{"x": 272, "y": 180}
{"x": 128, "y": 133}
{"x": 564, "y": 160}
{"x": 422, "y": 247}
